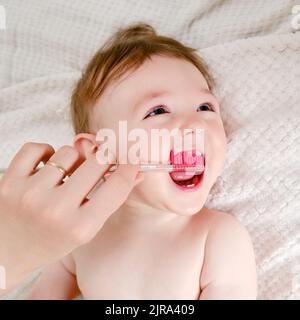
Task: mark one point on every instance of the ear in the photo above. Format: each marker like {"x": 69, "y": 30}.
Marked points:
{"x": 85, "y": 144}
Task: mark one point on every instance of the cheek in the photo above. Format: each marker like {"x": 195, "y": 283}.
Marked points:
{"x": 220, "y": 143}
{"x": 148, "y": 192}
{"x": 165, "y": 198}
{"x": 148, "y": 147}
{"x": 216, "y": 139}
{"x": 152, "y": 180}
{"x": 216, "y": 150}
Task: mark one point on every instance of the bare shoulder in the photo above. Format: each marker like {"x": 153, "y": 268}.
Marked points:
{"x": 224, "y": 223}
{"x": 229, "y": 256}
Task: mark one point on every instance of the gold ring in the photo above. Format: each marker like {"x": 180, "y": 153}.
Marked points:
{"x": 54, "y": 164}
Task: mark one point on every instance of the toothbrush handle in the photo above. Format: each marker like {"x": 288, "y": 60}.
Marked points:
{"x": 171, "y": 168}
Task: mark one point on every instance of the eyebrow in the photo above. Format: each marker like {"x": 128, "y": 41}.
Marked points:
{"x": 154, "y": 94}
{"x": 149, "y": 96}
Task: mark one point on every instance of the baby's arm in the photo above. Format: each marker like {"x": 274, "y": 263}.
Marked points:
{"x": 56, "y": 282}
{"x": 229, "y": 270}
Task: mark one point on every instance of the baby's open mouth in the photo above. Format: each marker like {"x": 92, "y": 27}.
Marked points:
{"x": 192, "y": 158}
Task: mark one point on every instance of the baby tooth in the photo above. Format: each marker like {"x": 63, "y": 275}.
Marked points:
{"x": 190, "y": 185}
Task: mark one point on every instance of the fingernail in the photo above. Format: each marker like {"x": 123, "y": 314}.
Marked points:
{"x": 94, "y": 149}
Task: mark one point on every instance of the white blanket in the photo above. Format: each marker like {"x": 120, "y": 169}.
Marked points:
{"x": 255, "y": 56}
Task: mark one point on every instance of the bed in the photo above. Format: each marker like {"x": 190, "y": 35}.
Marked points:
{"x": 253, "y": 50}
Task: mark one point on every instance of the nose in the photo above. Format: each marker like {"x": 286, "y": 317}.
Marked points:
{"x": 191, "y": 130}
{"x": 189, "y": 123}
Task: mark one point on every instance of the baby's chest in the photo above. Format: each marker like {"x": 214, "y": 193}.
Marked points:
{"x": 171, "y": 273}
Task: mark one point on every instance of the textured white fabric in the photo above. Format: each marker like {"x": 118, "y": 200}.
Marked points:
{"x": 255, "y": 58}
{"x": 258, "y": 87}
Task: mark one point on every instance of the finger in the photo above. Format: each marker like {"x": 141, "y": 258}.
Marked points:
{"x": 84, "y": 179}
{"x": 67, "y": 158}
{"x": 28, "y": 157}
{"x": 110, "y": 195}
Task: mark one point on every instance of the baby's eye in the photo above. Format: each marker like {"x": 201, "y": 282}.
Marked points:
{"x": 156, "y": 111}
{"x": 205, "y": 107}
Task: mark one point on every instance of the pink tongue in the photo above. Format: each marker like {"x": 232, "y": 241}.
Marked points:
{"x": 185, "y": 158}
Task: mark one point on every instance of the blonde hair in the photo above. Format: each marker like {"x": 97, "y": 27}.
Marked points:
{"x": 125, "y": 50}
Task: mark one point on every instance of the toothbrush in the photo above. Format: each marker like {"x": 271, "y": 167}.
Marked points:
{"x": 157, "y": 167}
{"x": 198, "y": 169}
{"x": 150, "y": 167}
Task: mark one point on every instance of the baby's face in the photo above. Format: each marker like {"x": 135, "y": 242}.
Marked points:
{"x": 184, "y": 102}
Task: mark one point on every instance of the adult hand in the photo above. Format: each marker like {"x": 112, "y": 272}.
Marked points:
{"x": 42, "y": 217}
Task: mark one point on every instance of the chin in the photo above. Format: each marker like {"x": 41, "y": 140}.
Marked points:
{"x": 187, "y": 201}
{"x": 186, "y": 209}
{"x": 158, "y": 190}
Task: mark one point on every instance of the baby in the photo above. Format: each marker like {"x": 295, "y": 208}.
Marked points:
{"x": 162, "y": 242}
